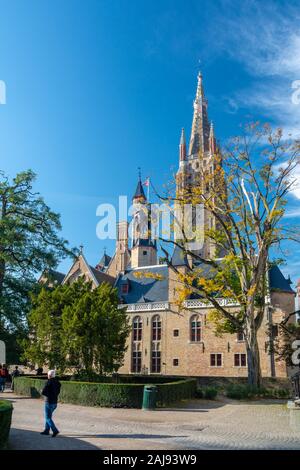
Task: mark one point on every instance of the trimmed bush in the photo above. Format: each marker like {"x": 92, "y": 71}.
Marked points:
{"x": 209, "y": 393}
{"x": 108, "y": 394}
{"x": 123, "y": 379}
{"x": 243, "y": 392}
{"x": 6, "y": 409}
{"x": 199, "y": 393}
{"x": 175, "y": 391}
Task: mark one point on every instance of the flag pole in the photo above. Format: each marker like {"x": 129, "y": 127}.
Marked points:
{"x": 148, "y": 189}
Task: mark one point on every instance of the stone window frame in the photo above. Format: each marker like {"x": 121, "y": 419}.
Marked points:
{"x": 139, "y": 329}
{"x": 156, "y": 357}
{"x": 175, "y": 359}
{"x": 215, "y": 354}
{"x": 177, "y": 335}
{"x": 240, "y": 361}
{"x": 237, "y": 337}
{"x": 199, "y": 320}
{"x": 136, "y": 358}
{"x": 156, "y": 331}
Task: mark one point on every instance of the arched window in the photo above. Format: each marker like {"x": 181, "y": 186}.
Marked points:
{"x": 137, "y": 329}
{"x": 155, "y": 358}
{"x": 195, "y": 328}
{"x": 136, "y": 358}
{"x": 156, "y": 328}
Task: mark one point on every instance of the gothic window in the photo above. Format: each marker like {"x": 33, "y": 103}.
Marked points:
{"x": 137, "y": 329}
{"x": 136, "y": 365}
{"x": 156, "y": 328}
{"x": 156, "y": 358}
{"x": 195, "y": 328}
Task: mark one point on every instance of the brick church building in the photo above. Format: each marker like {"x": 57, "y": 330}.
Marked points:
{"x": 165, "y": 338}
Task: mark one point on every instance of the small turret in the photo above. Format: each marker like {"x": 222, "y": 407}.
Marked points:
{"x": 182, "y": 147}
{"x": 139, "y": 195}
{"x": 212, "y": 140}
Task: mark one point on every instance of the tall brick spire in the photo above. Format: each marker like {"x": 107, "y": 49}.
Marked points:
{"x": 199, "y": 142}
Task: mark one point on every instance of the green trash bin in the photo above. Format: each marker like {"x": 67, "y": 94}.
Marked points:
{"x": 149, "y": 397}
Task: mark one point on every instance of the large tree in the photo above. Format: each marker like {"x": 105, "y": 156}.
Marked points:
{"x": 77, "y": 327}
{"x": 245, "y": 192}
{"x": 29, "y": 243}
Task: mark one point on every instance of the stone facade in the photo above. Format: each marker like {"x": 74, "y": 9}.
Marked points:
{"x": 179, "y": 355}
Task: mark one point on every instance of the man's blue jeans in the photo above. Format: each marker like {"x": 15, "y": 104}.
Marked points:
{"x": 49, "y": 410}
{"x": 2, "y": 384}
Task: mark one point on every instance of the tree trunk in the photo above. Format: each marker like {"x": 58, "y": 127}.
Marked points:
{"x": 253, "y": 361}
{"x": 2, "y": 274}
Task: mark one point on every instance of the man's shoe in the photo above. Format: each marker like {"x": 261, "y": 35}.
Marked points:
{"x": 55, "y": 433}
{"x": 45, "y": 433}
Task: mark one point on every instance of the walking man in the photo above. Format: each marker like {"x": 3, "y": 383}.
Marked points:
{"x": 2, "y": 380}
{"x": 51, "y": 392}
{"x": 4, "y": 374}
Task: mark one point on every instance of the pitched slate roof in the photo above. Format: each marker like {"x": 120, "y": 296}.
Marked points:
{"x": 179, "y": 257}
{"x": 278, "y": 281}
{"x": 101, "y": 276}
{"x": 145, "y": 289}
{"x": 54, "y": 277}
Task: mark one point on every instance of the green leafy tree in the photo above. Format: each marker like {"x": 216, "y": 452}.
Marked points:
{"x": 46, "y": 343}
{"x": 29, "y": 243}
{"x": 77, "y": 327}
{"x": 95, "y": 331}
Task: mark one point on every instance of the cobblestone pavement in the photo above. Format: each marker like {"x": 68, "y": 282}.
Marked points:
{"x": 198, "y": 424}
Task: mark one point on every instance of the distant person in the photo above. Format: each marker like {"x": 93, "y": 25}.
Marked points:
{"x": 39, "y": 371}
{"x": 15, "y": 373}
{"x": 2, "y": 382}
{"x": 51, "y": 392}
{"x": 4, "y": 376}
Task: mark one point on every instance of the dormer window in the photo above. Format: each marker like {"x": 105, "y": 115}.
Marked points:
{"x": 125, "y": 288}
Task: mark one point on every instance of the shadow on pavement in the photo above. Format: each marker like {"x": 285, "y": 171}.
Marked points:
{"x": 124, "y": 436}
{"x": 22, "y": 439}
{"x": 196, "y": 405}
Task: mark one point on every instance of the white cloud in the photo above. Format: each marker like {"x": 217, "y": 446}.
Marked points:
{"x": 265, "y": 39}
{"x": 292, "y": 213}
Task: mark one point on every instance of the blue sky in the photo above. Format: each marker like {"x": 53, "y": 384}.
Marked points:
{"x": 96, "y": 89}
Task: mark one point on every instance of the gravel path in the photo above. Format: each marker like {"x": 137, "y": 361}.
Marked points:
{"x": 196, "y": 425}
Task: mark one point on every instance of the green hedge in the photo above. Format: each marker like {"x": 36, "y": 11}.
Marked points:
{"x": 244, "y": 392}
{"x": 108, "y": 394}
{"x": 123, "y": 379}
{"x": 175, "y": 391}
{"x": 6, "y": 409}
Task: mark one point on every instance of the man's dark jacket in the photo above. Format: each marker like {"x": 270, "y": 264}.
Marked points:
{"x": 51, "y": 391}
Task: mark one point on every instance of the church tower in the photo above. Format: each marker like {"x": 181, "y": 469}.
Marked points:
{"x": 200, "y": 161}
{"x": 144, "y": 249}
